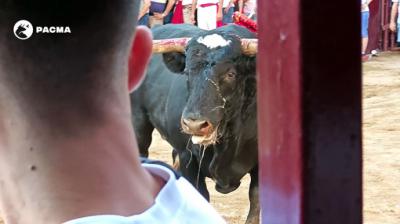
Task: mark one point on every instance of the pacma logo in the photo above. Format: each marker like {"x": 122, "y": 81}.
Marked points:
{"x": 53, "y": 29}
{"x": 23, "y": 29}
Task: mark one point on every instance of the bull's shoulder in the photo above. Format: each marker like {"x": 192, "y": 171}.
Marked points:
{"x": 175, "y": 31}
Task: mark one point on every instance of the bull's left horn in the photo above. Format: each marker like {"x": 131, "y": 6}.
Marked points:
{"x": 249, "y": 46}
{"x": 170, "y": 45}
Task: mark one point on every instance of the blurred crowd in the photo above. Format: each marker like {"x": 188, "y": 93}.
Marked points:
{"x": 394, "y": 25}
{"x": 206, "y": 14}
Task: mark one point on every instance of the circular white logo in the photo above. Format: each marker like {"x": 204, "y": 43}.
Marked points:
{"x": 23, "y": 29}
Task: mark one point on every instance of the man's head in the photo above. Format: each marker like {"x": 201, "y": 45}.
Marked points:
{"x": 57, "y": 78}
{"x": 65, "y": 130}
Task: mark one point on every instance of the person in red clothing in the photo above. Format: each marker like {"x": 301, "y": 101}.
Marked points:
{"x": 182, "y": 13}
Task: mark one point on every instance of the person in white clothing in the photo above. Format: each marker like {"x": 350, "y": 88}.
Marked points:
{"x": 68, "y": 152}
{"x": 177, "y": 202}
{"x": 395, "y": 26}
{"x": 209, "y": 13}
{"x": 250, "y": 8}
{"x": 187, "y": 11}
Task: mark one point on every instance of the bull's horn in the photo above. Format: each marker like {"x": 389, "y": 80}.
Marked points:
{"x": 249, "y": 46}
{"x": 170, "y": 45}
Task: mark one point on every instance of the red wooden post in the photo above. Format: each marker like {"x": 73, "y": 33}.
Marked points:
{"x": 385, "y": 24}
{"x": 374, "y": 27}
{"x": 309, "y": 109}
{"x": 280, "y": 115}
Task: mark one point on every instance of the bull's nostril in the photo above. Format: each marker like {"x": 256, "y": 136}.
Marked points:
{"x": 197, "y": 126}
{"x": 204, "y": 125}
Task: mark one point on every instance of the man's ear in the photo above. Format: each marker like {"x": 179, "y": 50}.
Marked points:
{"x": 140, "y": 56}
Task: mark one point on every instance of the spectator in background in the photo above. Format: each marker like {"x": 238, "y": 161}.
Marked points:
{"x": 169, "y": 11}
{"x": 143, "y": 18}
{"x": 209, "y": 13}
{"x": 393, "y": 15}
{"x": 364, "y": 25}
{"x": 157, "y": 6}
{"x": 249, "y": 8}
{"x": 236, "y": 5}
{"x": 165, "y": 15}
{"x": 228, "y": 9}
{"x": 161, "y": 12}
{"x": 182, "y": 12}
{"x": 187, "y": 10}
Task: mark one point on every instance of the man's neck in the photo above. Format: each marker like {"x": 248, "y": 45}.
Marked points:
{"x": 51, "y": 180}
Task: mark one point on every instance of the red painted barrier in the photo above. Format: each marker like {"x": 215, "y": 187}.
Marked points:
{"x": 309, "y": 108}
{"x": 279, "y": 95}
{"x": 374, "y": 27}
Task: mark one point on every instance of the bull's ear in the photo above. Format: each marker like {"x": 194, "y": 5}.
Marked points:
{"x": 175, "y": 61}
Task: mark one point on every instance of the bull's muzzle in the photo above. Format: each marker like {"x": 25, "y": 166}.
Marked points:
{"x": 225, "y": 189}
{"x": 196, "y": 127}
{"x": 202, "y": 131}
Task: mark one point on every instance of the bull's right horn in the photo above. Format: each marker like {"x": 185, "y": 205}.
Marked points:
{"x": 249, "y": 46}
{"x": 170, "y": 45}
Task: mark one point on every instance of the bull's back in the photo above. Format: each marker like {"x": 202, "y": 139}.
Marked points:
{"x": 175, "y": 31}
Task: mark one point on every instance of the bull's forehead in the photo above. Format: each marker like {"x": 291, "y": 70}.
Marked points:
{"x": 213, "y": 41}
{"x": 214, "y": 47}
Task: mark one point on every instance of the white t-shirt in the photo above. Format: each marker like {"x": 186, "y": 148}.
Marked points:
{"x": 398, "y": 10}
{"x": 187, "y": 2}
{"x": 178, "y": 202}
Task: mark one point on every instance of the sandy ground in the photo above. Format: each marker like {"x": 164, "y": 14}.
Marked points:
{"x": 381, "y": 149}
{"x": 382, "y": 139}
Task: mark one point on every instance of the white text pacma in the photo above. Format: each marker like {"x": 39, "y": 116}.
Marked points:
{"x": 53, "y": 29}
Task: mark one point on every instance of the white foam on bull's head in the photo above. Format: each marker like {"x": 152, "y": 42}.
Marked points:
{"x": 213, "y": 41}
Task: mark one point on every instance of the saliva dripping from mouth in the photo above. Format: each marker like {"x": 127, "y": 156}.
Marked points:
{"x": 202, "y": 150}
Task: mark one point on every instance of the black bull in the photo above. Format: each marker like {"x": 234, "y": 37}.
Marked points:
{"x": 209, "y": 93}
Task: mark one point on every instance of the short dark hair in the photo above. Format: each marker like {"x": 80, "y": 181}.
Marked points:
{"x": 59, "y": 68}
